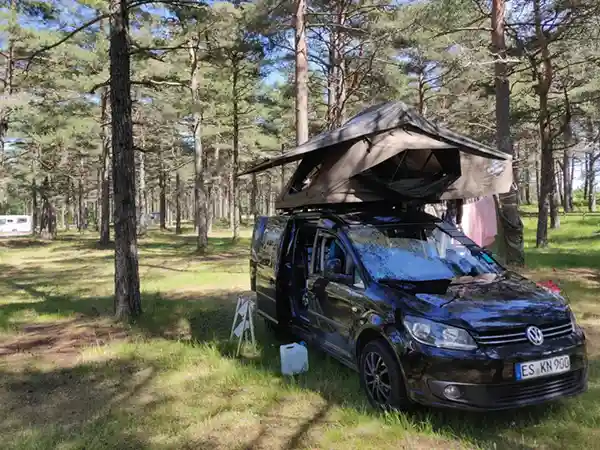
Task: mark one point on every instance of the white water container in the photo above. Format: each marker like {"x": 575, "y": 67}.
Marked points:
{"x": 294, "y": 358}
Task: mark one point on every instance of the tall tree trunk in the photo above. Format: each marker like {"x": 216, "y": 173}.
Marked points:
{"x": 68, "y": 207}
{"x": 337, "y": 80}
{"x": 236, "y": 152}
{"x": 512, "y": 248}
{"x": 105, "y": 194}
{"x": 421, "y": 92}
{"x": 528, "y": 186}
{"x": 34, "y": 206}
{"x": 98, "y": 199}
{"x": 162, "y": 184}
{"x": 199, "y": 187}
{"x": 48, "y": 216}
{"x": 7, "y": 92}
{"x": 571, "y": 177}
{"x": 230, "y": 209}
{"x": 545, "y": 77}
{"x": 62, "y": 216}
{"x": 567, "y": 180}
{"x": 127, "y": 282}
{"x": 560, "y": 185}
{"x": 80, "y": 214}
{"x": 177, "y": 203}
{"x": 301, "y": 75}
{"x": 554, "y": 201}
{"x": 538, "y": 177}
{"x": 143, "y": 197}
{"x": 592, "y": 184}
{"x": 253, "y": 197}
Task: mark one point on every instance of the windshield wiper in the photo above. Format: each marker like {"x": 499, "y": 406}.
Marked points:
{"x": 435, "y": 286}
{"x": 477, "y": 279}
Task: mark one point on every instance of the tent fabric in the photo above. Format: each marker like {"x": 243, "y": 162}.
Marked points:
{"x": 390, "y": 153}
{"x": 373, "y": 120}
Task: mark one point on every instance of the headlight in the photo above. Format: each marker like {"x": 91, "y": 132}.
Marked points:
{"x": 573, "y": 321}
{"x": 437, "y": 334}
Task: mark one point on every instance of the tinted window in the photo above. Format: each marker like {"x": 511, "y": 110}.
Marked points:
{"x": 21, "y": 220}
{"x": 416, "y": 252}
{"x": 331, "y": 249}
{"x": 2, "y": 221}
{"x": 267, "y": 244}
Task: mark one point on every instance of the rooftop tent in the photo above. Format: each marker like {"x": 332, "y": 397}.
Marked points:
{"x": 390, "y": 153}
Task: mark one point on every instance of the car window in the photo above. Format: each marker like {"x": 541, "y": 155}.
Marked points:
{"x": 268, "y": 245}
{"x": 416, "y": 252}
{"x": 2, "y": 221}
{"x": 21, "y": 220}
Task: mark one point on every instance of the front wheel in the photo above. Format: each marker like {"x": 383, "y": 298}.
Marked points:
{"x": 381, "y": 377}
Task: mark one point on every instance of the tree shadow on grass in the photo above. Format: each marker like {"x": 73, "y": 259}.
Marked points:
{"x": 339, "y": 385}
{"x": 23, "y": 242}
{"x": 562, "y": 259}
{"x": 207, "y": 318}
{"x": 74, "y": 407}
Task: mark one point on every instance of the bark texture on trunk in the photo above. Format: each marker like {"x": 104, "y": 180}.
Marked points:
{"x": 336, "y": 82}
{"x": 162, "y": 184}
{"x": 127, "y": 282}
{"x": 105, "y": 179}
{"x": 34, "y": 206}
{"x": 68, "y": 208}
{"x": 511, "y": 227}
{"x": 554, "y": 200}
{"x": 80, "y": 215}
{"x": 236, "y": 153}
{"x": 48, "y": 216}
{"x": 177, "y": 203}
{"x": 547, "y": 184}
{"x": 592, "y": 184}
{"x": 301, "y": 75}
{"x": 254, "y": 197}
{"x": 143, "y": 197}
{"x": 200, "y": 196}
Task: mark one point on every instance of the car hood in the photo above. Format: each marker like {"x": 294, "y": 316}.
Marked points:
{"x": 485, "y": 305}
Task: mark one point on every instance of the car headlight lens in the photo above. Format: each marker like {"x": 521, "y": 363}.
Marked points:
{"x": 573, "y": 321}
{"x": 439, "y": 335}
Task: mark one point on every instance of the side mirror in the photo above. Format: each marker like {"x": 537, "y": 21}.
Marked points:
{"x": 334, "y": 272}
{"x": 333, "y": 267}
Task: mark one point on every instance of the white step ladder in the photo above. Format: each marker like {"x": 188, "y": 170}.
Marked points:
{"x": 244, "y": 312}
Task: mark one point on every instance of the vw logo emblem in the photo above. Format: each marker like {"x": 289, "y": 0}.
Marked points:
{"x": 535, "y": 335}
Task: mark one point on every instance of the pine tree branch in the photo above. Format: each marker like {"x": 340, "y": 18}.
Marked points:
{"x": 146, "y": 82}
{"x": 64, "y": 39}
{"x": 155, "y": 83}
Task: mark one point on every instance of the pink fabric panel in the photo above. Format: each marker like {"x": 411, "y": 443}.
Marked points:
{"x": 479, "y": 221}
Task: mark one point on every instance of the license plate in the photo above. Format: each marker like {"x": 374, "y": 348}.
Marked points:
{"x": 542, "y": 368}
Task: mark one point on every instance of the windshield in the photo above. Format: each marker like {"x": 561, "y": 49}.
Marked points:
{"x": 416, "y": 253}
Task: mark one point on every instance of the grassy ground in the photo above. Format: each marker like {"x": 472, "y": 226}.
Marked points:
{"x": 72, "y": 378}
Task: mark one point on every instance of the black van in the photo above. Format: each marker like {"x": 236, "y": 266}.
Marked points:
{"x": 419, "y": 310}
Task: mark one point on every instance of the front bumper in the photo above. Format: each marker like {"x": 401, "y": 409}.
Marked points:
{"x": 486, "y": 377}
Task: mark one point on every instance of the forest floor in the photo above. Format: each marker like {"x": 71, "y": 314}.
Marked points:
{"x": 71, "y": 378}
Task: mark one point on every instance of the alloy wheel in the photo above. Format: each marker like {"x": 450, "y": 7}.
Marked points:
{"x": 377, "y": 378}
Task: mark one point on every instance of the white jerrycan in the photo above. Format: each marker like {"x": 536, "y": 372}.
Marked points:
{"x": 294, "y": 358}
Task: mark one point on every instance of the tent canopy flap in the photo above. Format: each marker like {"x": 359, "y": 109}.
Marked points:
{"x": 390, "y": 153}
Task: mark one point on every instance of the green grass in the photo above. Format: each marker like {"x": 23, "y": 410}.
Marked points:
{"x": 72, "y": 378}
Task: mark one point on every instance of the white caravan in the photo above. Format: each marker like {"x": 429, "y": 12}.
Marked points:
{"x": 15, "y": 225}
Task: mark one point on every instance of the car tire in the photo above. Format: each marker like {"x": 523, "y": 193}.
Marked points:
{"x": 381, "y": 377}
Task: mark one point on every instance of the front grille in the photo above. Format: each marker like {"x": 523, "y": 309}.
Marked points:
{"x": 536, "y": 389}
{"x": 516, "y": 335}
